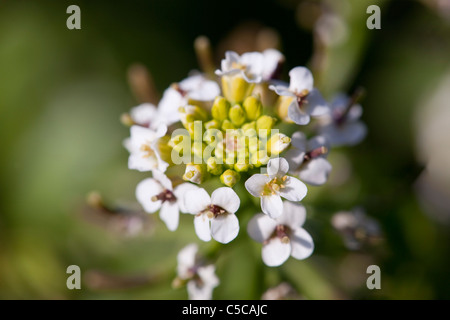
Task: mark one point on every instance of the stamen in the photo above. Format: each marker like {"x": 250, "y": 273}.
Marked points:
{"x": 164, "y": 196}
{"x": 148, "y": 151}
{"x": 315, "y": 153}
{"x": 212, "y": 211}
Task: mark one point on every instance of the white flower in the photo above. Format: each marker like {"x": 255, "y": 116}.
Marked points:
{"x": 201, "y": 279}
{"x": 199, "y": 88}
{"x": 356, "y": 228}
{"x": 307, "y": 158}
{"x": 342, "y": 125}
{"x": 157, "y": 193}
{"x": 282, "y": 237}
{"x": 214, "y": 216}
{"x": 144, "y": 150}
{"x": 196, "y": 87}
{"x": 254, "y": 67}
{"x": 275, "y": 184}
{"x": 272, "y": 62}
{"x": 144, "y": 115}
{"x": 249, "y": 65}
{"x": 306, "y": 100}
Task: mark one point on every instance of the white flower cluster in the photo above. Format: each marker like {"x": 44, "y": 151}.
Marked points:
{"x": 289, "y": 162}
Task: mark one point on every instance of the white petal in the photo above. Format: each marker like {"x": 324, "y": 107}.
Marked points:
{"x": 295, "y": 158}
{"x": 200, "y": 88}
{"x": 347, "y": 134}
{"x": 169, "y": 104}
{"x": 144, "y": 113}
{"x": 138, "y": 162}
{"x": 272, "y": 58}
{"x": 198, "y": 292}
{"x": 295, "y": 190}
{"x": 170, "y": 214}
{"x": 256, "y": 183}
{"x": 294, "y": 215}
{"x": 225, "y": 228}
{"x": 316, "y": 171}
{"x": 275, "y": 253}
{"x": 297, "y": 115}
{"x": 282, "y": 90}
{"x": 145, "y": 190}
{"x": 299, "y": 140}
{"x": 302, "y": 244}
{"x": 208, "y": 275}
{"x": 277, "y": 167}
{"x": 162, "y": 179}
{"x": 226, "y": 198}
{"x": 272, "y": 205}
{"x": 317, "y": 142}
{"x": 316, "y": 105}
{"x": 261, "y": 227}
{"x": 202, "y": 227}
{"x": 300, "y": 79}
{"x": 180, "y": 194}
{"x": 186, "y": 260}
{"x": 196, "y": 200}
{"x": 355, "y": 113}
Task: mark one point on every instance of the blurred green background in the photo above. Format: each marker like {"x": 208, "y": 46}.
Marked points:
{"x": 62, "y": 93}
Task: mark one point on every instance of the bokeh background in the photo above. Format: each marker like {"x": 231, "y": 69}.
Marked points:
{"x": 62, "y": 93}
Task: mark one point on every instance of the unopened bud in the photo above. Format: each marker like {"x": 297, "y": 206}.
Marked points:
{"x": 227, "y": 125}
{"x": 230, "y": 178}
{"x": 212, "y": 124}
{"x": 235, "y": 88}
{"x": 242, "y": 167}
{"x": 194, "y": 173}
{"x": 265, "y": 123}
{"x": 278, "y": 143}
{"x": 259, "y": 158}
{"x": 282, "y": 106}
{"x": 253, "y": 107}
{"x": 213, "y": 166}
{"x": 126, "y": 119}
{"x": 237, "y": 115}
{"x": 220, "y": 109}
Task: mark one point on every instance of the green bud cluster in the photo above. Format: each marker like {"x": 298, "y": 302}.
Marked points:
{"x": 233, "y": 138}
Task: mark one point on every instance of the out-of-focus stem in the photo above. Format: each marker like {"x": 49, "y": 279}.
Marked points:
{"x": 141, "y": 83}
{"x": 202, "y": 47}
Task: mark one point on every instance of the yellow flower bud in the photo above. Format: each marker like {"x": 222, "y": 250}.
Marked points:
{"x": 259, "y": 158}
{"x": 192, "y": 113}
{"x": 227, "y": 125}
{"x": 195, "y": 173}
{"x": 249, "y": 126}
{"x": 282, "y": 106}
{"x": 220, "y": 109}
{"x": 242, "y": 167}
{"x": 212, "y": 124}
{"x": 230, "y": 178}
{"x": 214, "y": 166}
{"x": 265, "y": 123}
{"x": 253, "y": 107}
{"x": 237, "y": 115}
{"x": 277, "y": 144}
{"x": 235, "y": 88}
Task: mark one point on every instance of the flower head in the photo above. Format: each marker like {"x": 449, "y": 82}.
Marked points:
{"x": 157, "y": 193}
{"x": 275, "y": 184}
{"x": 303, "y": 100}
{"x": 214, "y": 215}
{"x": 283, "y": 236}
